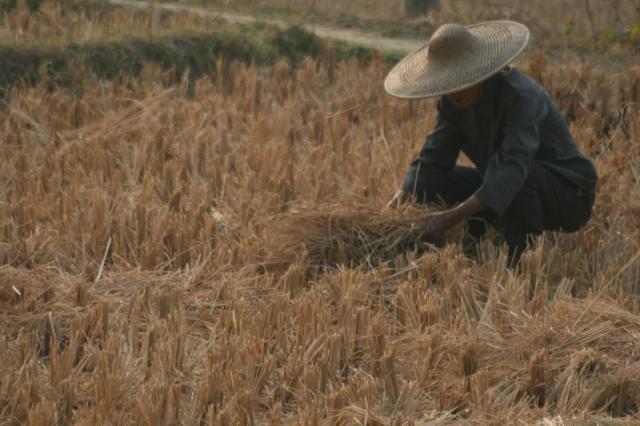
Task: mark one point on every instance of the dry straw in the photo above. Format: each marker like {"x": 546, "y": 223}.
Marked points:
{"x": 349, "y": 234}
{"x": 128, "y": 214}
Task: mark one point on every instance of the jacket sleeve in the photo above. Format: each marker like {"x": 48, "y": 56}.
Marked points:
{"x": 440, "y": 150}
{"x": 508, "y": 168}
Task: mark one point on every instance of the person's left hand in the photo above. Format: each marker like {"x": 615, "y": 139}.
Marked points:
{"x": 437, "y": 223}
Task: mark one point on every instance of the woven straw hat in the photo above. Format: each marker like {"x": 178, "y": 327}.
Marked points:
{"x": 457, "y": 57}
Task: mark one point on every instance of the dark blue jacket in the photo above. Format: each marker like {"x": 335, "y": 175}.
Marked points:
{"x": 514, "y": 124}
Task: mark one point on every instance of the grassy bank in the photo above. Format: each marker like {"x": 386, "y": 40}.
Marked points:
{"x": 63, "y": 40}
{"x": 195, "y": 53}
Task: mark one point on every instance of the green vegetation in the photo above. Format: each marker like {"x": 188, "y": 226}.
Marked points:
{"x": 53, "y": 40}
{"x": 195, "y": 53}
{"x": 589, "y": 23}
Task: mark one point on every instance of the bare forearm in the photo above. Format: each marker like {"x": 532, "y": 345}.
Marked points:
{"x": 470, "y": 207}
{"x": 437, "y": 223}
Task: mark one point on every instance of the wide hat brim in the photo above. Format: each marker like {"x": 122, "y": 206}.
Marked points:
{"x": 491, "y": 47}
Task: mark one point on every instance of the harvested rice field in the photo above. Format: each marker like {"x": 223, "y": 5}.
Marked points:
{"x": 215, "y": 252}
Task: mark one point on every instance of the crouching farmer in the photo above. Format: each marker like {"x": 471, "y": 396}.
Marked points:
{"x": 529, "y": 175}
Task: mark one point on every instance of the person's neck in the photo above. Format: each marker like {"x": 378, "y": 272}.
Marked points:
{"x": 478, "y": 98}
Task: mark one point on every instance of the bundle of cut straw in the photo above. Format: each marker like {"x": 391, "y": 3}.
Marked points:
{"x": 348, "y": 234}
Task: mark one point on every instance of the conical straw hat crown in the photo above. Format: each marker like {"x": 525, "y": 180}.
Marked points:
{"x": 449, "y": 40}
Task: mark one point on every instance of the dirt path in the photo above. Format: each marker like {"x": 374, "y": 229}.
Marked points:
{"x": 355, "y": 37}
{"x": 608, "y": 62}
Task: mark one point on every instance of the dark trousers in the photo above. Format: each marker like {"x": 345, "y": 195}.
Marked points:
{"x": 547, "y": 201}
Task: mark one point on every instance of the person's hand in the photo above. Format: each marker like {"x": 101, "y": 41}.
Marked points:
{"x": 438, "y": 223}
{"x": 399, "y": 199}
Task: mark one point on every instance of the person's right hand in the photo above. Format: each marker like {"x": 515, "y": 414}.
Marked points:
{"x": 399, "y": 199}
